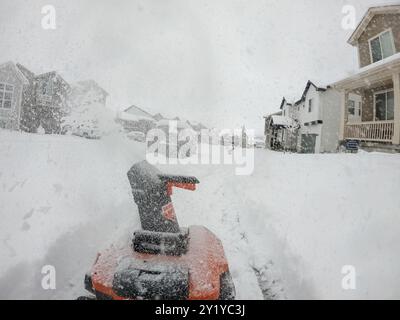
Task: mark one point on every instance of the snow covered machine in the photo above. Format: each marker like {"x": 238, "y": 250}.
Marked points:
{"x": 162, "y": 261}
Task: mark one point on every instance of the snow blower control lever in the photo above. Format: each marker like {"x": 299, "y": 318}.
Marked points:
{"x": 152, "y": 192}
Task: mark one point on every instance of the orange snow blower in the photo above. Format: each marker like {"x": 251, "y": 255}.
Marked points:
{"x": 163, "y": 261}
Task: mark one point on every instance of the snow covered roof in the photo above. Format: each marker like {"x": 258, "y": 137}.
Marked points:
{"x": 18, "y": 72}
{"x": 284, "y": 102}
{"x": 53, "y": 74}
{"x": 86, "y": 85}
{"x": 134, "y": 113}
{"x": 371, "y": 73}
{"x": 367, "y": 19}
{"x": 279, "y": 113}
{"x": 283, "y": 121}
{"x": 133, "y": 117}
{"x": 308, "y": 86}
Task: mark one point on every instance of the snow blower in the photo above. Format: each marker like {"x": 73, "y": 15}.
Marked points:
{"x": 163, "y": 261}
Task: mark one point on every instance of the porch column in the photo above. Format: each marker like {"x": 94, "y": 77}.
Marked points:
{"x": 396, "y": 88}
{"x": 343, "y": 112}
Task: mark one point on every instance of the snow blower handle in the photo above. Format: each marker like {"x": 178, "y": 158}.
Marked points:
{"x": 152, "y": 192}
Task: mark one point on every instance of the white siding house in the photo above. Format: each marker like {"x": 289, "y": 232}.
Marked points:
{"x": 319, "y": 118}
{"x": 315, "y": 121}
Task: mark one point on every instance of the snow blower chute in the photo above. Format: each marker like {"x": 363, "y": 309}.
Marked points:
{"x": 163, "y": 261}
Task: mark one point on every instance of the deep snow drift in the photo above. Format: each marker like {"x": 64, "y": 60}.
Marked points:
{"x": 295, "y": 222}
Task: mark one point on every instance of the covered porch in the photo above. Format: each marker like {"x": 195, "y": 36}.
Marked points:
{"x": 370, "y": 108}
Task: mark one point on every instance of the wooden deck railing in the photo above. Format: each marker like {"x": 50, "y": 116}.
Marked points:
{"x": 381, "y": 131}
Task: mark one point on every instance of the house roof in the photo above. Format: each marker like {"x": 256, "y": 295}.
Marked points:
{"x": 87, "y": 84}
{"x": 18, "y": 72}
{"x": 308, "y": 86}
{"x": 53, "y": 74}
{"x": 371, "y": 74}
{"x": 134, "y": 113}
{"x": 26, "y": 72}
{"x": 373, "y": 11}
{"x": 284, "y": 102}
{"x": 158, "y": 116}
{"x": 283, "y": 122}
{"x": 279, "y": 113}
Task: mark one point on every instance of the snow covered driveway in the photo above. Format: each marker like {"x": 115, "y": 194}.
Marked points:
{"x": 295, "y": 222}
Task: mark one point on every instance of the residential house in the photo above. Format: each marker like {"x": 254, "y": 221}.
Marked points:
{"x": 290, "y": 126}
{"x": 51, "y": 94}
{"x": 370, "y": 103}
{"x": 28, "y": 101}
{"x": 276, "y": 131}
{"x": 88, "y": 93}
{"x": 310, "y": 125}
{"x": 13, "y": 83}
{"x": 318, "y": 113}
{"x": 158, "y": 117}
{"x": 136, "y": 119}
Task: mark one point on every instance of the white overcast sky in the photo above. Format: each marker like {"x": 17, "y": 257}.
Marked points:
{"x": 223, "y": 62}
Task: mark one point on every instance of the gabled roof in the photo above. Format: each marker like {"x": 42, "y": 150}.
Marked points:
{"x": 308, "y": 86}
{"x": 373, "y": 11}
{"x": 18, "y": 72}
{"x": 135, "y": 110}
{"x": 158, "y": 116}
{"x": 284, "y": 102}
{"x": 87, "y": 84}
{"x": 53, "y": 74}
{"x": 26, "y": 72}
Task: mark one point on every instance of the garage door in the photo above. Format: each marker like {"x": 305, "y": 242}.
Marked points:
{"x": 308, "y": 143}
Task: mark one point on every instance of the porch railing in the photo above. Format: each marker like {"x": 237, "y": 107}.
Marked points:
{"x": 381, "y": 131}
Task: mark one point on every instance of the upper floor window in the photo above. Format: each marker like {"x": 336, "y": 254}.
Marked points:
{"x": 46, "y": 88}
{"x": 310, "y": 105}
{"x": 382, "y": 46}
{"x": 6, "y": 95}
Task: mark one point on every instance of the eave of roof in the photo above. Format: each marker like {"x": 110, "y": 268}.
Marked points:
{"x": 140, "y": 109}
{"x": 371, "y": 74}
{"x": 373, "y": 11}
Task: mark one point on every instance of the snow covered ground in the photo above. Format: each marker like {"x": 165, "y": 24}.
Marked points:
{"x": 295, "y": 222}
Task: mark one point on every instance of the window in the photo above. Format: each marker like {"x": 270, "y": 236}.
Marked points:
{"x": 382, "y": 46}
{"x": 310, "y": 105}
{"x": 384, "y": 106}
{"x": 6, "y": 95}
{"x": 47, "y": 88}
{"x": 352, "y": 107}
